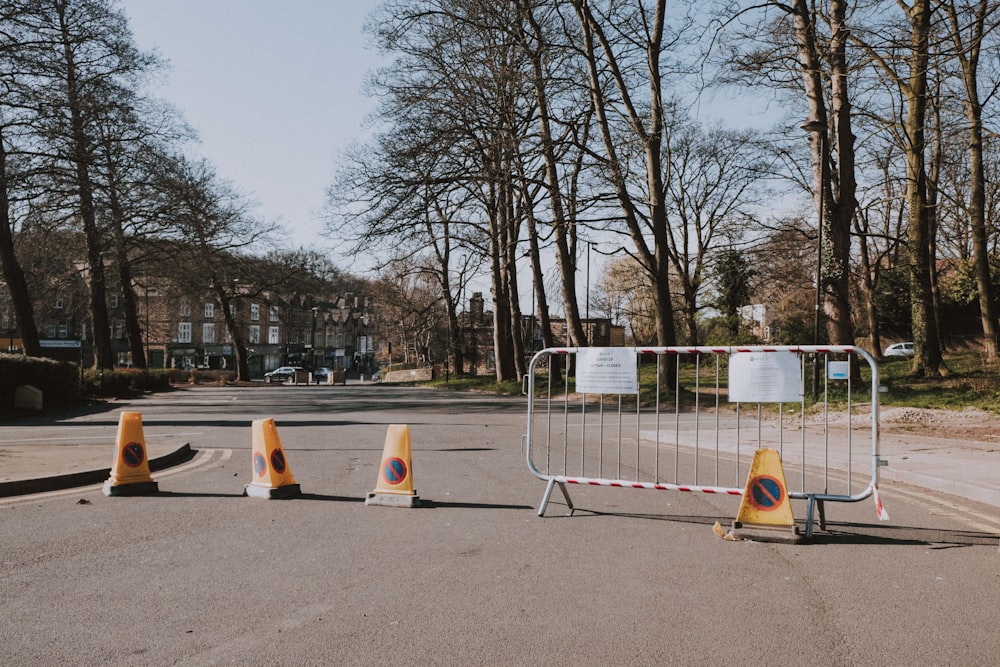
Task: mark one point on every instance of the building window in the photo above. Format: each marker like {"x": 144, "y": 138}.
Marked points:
{"x": 114, "y": 300}
{"x": 208, "y": 333}
{"x": 254, "y": 312}
{"x": 63, "y": 331}
{"x": 59, "y": 304}
{"x": 273, "y": 314}
{"x": 255, "y": 333}
{"x": 185, "y": 310}
{"x": 184, "y": 332}
{"x": 272, "y": 335}
{"x": 50, "y": 331}
{"x": 209, "y": 311}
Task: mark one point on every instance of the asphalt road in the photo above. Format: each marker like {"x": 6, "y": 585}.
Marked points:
{"x": 200, "y": 575}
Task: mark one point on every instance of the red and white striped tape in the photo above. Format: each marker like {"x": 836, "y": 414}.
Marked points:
{"x": 617, "y": 483}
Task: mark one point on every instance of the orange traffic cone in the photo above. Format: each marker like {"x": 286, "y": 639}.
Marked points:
{"x": 765, "y": 513}
{"x": 130, "y": 471}
{"x": 395, "y": 478}
{"x": 272, "y": 478}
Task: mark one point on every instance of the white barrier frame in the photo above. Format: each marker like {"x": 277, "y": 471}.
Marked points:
{"x": 560, "y": 475}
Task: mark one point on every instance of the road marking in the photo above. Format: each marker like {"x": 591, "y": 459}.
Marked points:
{"x": 79, "y": 440}
{"x": 204, "y": 459}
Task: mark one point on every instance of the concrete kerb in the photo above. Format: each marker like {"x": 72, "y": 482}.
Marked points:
{"x": 21, "y": 487}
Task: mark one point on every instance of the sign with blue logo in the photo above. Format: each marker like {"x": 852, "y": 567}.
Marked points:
{"x": 766, "y": 493}
{"x": 259, "y": 464}
{"x": 133, "y": 454}
{"x": 394, "y": 470}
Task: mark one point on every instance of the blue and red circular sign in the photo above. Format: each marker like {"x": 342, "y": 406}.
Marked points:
{"x": 133, "y": 454}
{"x": 766, "y": 493}
{"x": 278, "y": 461}
{"x": 259, "y": 465}
{"x": 394, "y": 470}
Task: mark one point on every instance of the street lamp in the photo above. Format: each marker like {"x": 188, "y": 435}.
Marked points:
{"x": 819, "y": 127}
{"x": 312, "y": 339}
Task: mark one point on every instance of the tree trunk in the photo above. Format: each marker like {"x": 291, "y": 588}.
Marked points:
{"x": 968, "y": 57}
{"x": 927, "y": 359}
{"x": 12, "y": 271}
{"x": 836, "y": 278}
{"x": 564, "y": 234}
{"x": 81, "y": 155}
{"x": 129, "y": 301}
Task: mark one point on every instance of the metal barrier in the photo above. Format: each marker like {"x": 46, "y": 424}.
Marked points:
{"x": 592, "y": 421}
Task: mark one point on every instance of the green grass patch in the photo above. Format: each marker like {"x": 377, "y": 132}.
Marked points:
{"x": 969, "y": 381}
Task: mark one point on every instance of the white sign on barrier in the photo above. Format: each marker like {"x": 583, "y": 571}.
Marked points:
{"x": 762, "y": 377}
{"x": 606, "y": 370}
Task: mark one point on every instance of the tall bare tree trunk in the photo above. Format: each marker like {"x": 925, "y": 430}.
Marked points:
{"x": 927, "y": 360}
{"x": 967, "y": 52}
{"x": 13, "y": 274}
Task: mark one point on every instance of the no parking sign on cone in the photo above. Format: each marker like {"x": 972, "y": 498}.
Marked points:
{"x": 130, "y": 472}
{"x": 395, "y": 478}
{"x": 272, "y": 477}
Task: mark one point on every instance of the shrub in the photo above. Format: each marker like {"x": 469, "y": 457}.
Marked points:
{"x": 59, "y": 381}
{"x": 122, "y": 381}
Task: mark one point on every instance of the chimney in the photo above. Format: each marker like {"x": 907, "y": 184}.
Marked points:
{"x": 476, "y": 305}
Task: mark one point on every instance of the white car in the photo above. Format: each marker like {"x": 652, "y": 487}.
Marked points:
{"x": 899, "y": 350}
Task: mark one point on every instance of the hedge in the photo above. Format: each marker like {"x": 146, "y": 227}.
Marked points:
{"x": 59, "y": 381}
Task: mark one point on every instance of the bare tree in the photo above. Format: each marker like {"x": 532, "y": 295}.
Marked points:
{"x": 969, "y": 26}
{"x": 80, "y": 60}
{"x": 613, "y": 44}
{"x": 210, "y": 243}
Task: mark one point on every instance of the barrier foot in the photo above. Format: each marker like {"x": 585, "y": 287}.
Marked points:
{"x": 135, "y": 489}
{"x": 548, "y": 494}
{"x": 765, "y": 533}
{"x": 392, "y": 500}
{"x": 562, "y": 487}
{"x": 813, "y": 505}
{"x": 545, "y": 497}
{"x": 272, "y": 492}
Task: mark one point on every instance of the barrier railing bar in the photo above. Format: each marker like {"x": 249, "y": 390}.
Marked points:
{"x": 697, "y": 414}
{"x": 802, "y": 424}
{"x": 717, "y": 394}
{"x": 656, "y": 450}
{"x": 677, "y": 414}
{"x": 826, "y": 424}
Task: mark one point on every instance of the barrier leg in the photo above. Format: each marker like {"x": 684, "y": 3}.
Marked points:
{"x": 545, "y": 497}
{"x": 815, "y": 504}
{"x": 548, "y": 494}
{"x": 566, "y": 496}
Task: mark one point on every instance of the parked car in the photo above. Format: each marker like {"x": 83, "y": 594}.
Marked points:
{"x": 322, "y": 374}
{"x": 281, "y": 374}
{"x": 899, "y": 350}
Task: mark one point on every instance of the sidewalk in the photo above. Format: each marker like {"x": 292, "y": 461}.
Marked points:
{"x": 36, "y": 468}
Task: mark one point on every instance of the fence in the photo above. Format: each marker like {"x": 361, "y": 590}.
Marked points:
{"x": 691, "y": 418}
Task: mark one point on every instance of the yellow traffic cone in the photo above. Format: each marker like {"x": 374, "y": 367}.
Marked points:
{"x": 765, "y": 513}
{"x": 130, "y": 471}
{"x": 272, "y": 477}
{"x": 395, "y": 478}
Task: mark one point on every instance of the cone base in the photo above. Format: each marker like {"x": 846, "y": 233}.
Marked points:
{"x": 135, "y": 489}
{"x": 275, "y": 492}
{"x": 766, "y": 533}
{"x": 392, "y": 500}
